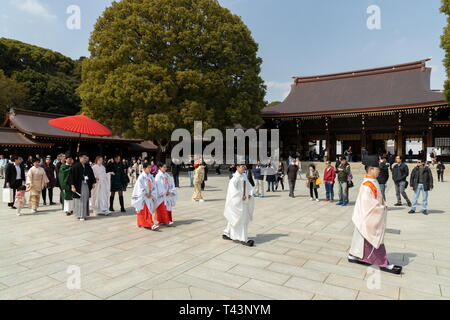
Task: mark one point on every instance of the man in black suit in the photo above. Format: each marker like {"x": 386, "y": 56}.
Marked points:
{"x": 14, "y": 177}
{"x": 82, "y": 180}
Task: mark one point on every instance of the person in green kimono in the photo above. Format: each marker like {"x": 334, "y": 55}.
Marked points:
{"x": 63, "y": 178}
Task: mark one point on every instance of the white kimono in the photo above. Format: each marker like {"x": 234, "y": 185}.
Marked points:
{"x": 239, "y": 212}
{"x": 369, "y": 217}
{"x": 141, "y": 188}
{"x": 101, "y": 190}
{"x": 164, "y": 185}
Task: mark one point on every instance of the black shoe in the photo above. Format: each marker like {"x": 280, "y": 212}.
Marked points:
{"x": 123, "y": 210}
{"x": 225, "y": 237}
{"x": 52, "y": 203}
{"x": 395, "y": 270}
{"x": 45, "y": 203}
{"x": 68, "y": 213}
{"x": 13, "y": 208}
{"x": 409, "y": 204}
{"x": 358, "y": 262}
{"x": 249, "y": 243}
{"x": 411, "y": 212}
{"x": 398, "y": 204}
{"x": 111, "y": 209}
{"x": 425, "y": 212}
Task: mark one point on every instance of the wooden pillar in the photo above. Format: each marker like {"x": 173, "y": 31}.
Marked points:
{"x": 298, "y": 136}
{"x": 304, "y": 145}
{"x": 399, "y": 143}
{"x": 331, "y": 147}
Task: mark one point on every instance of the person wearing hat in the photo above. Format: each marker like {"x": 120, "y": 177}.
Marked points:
{"x": 369, "y": 218}
{"x": 64, "y": 183}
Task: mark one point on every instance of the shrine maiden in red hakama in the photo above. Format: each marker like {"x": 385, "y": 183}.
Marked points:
{"x": 143, "y": 200}
{"x": 167, "y": 197}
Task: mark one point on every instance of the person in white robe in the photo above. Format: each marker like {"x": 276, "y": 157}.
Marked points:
{"x": 101, "y": 190}
{"x": 167, "y": 196}
{"x": 144, "y": 198}
{"x": 239, "y": 208}
{"x": 369, "y": 218}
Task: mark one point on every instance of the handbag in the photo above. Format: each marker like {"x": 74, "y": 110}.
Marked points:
{"x": 7, "y": 195}
{"x": 319, "y": 181}
{"x": 351, "y": 184}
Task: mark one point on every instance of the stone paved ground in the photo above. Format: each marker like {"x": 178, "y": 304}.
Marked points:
{"x": 300, "y": 253}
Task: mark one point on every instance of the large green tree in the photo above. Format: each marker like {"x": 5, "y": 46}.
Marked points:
{"x": 12, "y": 93}
{"x": 50, "y": 78}
{"x": 445, "y": 44}
{"x": 158, "y": 65}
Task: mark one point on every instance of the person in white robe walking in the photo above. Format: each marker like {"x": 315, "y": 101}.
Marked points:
{"x": 239, "y": 208}
{"x": 167, "y": 196}
{"x": 144, "y": 198}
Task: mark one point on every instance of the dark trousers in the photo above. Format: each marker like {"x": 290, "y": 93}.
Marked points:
{"x": 291, "y": 187}
{"x": 14, "y": 188}
{"x": 400, "y": 192}
{"x": 329, "y": 188}
{"x": 50, "y": 195}
{"x": 270, "y": 185}
{"x": 176, "y": 180}
{"x": 280, "y": 180}
{"x": 440, "y": 176}
{"x": 313, "y": 190}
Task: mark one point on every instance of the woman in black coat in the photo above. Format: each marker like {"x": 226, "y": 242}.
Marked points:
{"x": 49, "y": 169}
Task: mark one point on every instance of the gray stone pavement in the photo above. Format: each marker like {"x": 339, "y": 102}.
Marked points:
{"x": 300, "y": 252}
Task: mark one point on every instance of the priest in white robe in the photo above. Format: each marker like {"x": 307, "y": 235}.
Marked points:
{"x": 101, "y": 190}
{"x": 166, "y": 198}
{"x": 239, "y": 208}
{"x": 144, "y": 198}
{"x": 369, "y": 218}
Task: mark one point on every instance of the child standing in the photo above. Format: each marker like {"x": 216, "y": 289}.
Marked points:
{"x": 20, "y": 201}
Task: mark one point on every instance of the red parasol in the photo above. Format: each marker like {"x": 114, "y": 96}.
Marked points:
{"x": 80, "y": 124}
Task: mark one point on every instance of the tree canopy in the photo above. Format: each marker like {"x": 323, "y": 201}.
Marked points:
{"x": 158, "y": 65}
{"x": 273, "y": 103}
{"x": 445, "y": 44}
{"x": 50, "y": 78}
{"x": 12, "y": 93}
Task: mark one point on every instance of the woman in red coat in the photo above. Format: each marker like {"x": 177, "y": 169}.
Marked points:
{"x": 329, "y": 175}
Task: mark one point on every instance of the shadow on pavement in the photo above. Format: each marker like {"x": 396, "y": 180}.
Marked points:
{"x": 401, "y": 259}
{"x": 263, "y": 238}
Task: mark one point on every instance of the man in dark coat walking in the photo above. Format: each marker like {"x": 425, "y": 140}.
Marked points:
{"x": 292, "y": 171}
{"x": 383, "y": 177}
{"x": 400, "y": 172}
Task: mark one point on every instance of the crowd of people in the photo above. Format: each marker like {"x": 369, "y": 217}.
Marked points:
{"x": 87, "y": 186}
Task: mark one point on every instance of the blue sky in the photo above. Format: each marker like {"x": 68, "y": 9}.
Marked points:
{"x": 296, "y": 37}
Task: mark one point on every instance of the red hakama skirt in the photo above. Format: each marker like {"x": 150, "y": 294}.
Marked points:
{"x": 144, "y": 218}
{"x": 162, "y": 215}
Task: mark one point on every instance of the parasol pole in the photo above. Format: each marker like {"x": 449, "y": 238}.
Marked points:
{"x": 78, "y": 146}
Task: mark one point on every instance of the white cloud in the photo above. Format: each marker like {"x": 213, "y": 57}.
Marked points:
{"x": 33, "y": 7}
{"x": 279, "y": 90}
